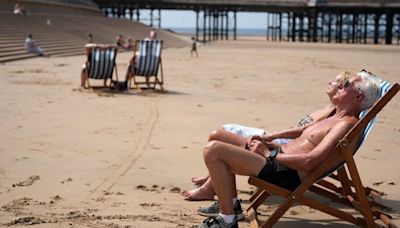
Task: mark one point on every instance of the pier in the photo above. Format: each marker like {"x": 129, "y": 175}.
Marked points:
{"x": 339, "y": 21}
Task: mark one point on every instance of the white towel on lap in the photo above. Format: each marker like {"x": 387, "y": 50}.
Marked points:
{"x": 249, "y": 131}
{"x": 242, "y": 130}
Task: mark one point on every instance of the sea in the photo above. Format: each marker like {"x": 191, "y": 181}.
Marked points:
{"x": 240, "y": 32}
{"x": 257, "y": 31}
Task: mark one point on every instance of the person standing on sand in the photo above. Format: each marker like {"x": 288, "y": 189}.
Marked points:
{"x": 194, "y": 48}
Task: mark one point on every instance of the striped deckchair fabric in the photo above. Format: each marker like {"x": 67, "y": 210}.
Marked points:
{"x": 100, "y": 63}
{"x": 147, "y": 63}
{"x": 384, "y": 87}
{"x": 149, "y": 55}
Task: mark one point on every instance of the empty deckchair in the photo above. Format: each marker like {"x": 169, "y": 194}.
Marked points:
{"x": 350, "y": 192}
{"x": 146, "y": 64}
{"x": 100, "y": 64}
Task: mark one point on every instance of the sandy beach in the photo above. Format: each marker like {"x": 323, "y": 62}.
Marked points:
{"x": 81, "y": 158}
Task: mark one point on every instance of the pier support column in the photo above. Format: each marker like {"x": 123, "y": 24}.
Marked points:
{"x": 151, "y": 18}
{"x": 137, "y": 15}
{"x": 376, "y": 30}
{"x": 294, "y": 27}
{"x": 234, "y": 25}
{"x": 221, "y": 15}
{"x": 204, "y": 25}
{"x": 159, "y": 18}
{"x": 301, "y": 29}
{"x": 226, "y": 25}
{"x": 313, "y": 23}
{"x": 209, "y": 25}
{"x": 389, "y": 26}
{"x": 329, "y": 26}
{"x": 365, "y": 28}
{"x": 197, "y": 24}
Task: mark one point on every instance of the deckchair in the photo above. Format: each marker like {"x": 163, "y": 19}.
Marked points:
{"x": 350, "y": 192}
{"x": 146, "y": 63}
{"x": 100, "y": 64}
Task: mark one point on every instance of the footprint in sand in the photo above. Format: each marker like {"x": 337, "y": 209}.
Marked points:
{"x": 17, "y": 204}
{"x": 55, "y": 198}
{"x": 27, "y": 182}
{"x": 107, "y": 193}
{"x": 158, "y": 188}
{"x": 150, "y": 205}
{"x": 26, "y": 221}
{"x": 69, "y": 179}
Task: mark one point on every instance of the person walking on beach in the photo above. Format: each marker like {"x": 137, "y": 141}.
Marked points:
{"x": 194, "y": 48}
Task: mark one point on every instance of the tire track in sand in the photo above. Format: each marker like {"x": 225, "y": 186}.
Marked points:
{"x": 109, "y": 181}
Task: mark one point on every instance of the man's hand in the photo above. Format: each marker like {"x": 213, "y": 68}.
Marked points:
{"x": 258, "y": 147}
{"x": 267, "y": 137}
{"x": 269, "y": 144}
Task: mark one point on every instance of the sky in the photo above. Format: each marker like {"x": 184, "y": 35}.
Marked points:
{"x": 187, "y": 19}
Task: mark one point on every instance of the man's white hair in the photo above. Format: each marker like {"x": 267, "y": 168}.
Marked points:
{"x": 370, "y": 87}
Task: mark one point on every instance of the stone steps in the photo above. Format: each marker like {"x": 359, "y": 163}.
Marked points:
{"x": 67, "y": 34}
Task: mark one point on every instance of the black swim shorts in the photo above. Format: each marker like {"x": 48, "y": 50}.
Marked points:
{"x": 280, "y": 175}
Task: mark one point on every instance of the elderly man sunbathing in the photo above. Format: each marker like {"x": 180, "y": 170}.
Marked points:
{"x": 289, "y": 164}
{"x": 205, "y": 191}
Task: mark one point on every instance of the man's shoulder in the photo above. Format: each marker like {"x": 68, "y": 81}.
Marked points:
{"x": 350, "y": 120}
{"x": 345, "y": 123}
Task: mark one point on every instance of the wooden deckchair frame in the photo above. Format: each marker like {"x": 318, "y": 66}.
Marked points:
{"x": 157, "y": 80}
{"x": 85, "y": 71}
{"x": 351, "y": 193}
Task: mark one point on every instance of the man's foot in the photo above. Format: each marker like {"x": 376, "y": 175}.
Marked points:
{"x": 218, "y": 222}
{"x": 213, "y": 210}
{"x": 199, "y": 181}
{"x": 198, "y": 194}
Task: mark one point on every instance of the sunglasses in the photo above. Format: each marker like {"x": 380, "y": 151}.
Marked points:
{"x": 345, "y": 84}
{"x": 368, "y": 72}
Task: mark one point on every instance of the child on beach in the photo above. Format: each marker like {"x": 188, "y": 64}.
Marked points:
{"x": 194, "y": 48}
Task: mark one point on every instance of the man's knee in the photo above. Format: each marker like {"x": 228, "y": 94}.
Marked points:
{"x": 215, "y": 135}
{"x": 210, "y": 151}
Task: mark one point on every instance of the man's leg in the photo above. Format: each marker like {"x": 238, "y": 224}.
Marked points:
{"x": 128, "y": 73}
{"x": 206, "y": 190}
{"x": 223, "y": 136}
{"x": 228, "y": 137}
{"x": 223, "y": 160}
{"x": 84, "y": 76}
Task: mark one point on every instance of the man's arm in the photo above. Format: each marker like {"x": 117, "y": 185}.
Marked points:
{"x": 308, "y": 161}
{"x": 288, "y": 133}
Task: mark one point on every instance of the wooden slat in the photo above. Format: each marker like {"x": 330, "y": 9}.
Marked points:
{"x": 252, "y": 214}
{"x": 261, "y": 196}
